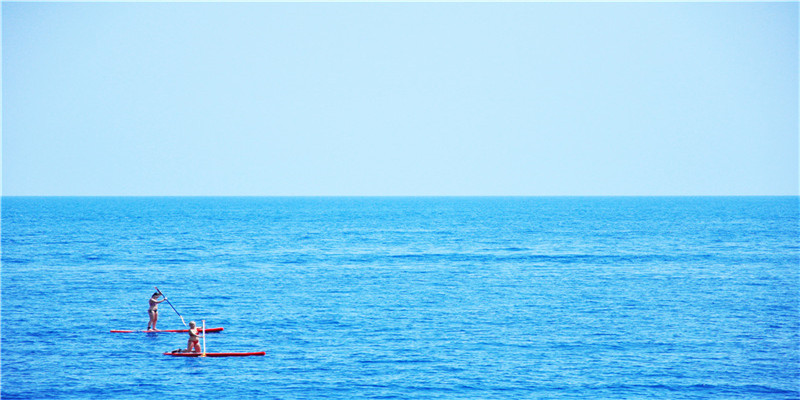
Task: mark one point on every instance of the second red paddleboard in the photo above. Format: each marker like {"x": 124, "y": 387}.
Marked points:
{"x": 258, "y": 353}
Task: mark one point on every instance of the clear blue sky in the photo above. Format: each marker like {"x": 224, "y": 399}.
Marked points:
{"x": 400, "y": 99}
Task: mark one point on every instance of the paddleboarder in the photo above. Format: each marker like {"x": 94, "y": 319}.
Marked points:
{"x": 194, "y": 339}
{"x": 153, "y": 310}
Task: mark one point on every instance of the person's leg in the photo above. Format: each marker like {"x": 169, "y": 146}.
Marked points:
{"x": 150, "y": 323}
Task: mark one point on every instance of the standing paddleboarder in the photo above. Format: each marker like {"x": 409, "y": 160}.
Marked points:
{"x": 153, "y": 311}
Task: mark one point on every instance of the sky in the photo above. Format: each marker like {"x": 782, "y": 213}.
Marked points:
{"x": 399, "y": 99}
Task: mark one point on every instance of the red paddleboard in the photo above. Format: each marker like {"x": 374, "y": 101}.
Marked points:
{"x": 258, "y": 353}
{"x": 171, "y": 331}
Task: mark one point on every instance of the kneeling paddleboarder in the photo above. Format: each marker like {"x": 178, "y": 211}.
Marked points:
{"x": 194, "y": 339}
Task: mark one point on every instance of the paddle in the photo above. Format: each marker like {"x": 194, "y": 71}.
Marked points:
{"x": 173, "y": 307}
{"x": 204, "y": 338}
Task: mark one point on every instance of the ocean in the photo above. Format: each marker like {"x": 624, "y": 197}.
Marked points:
{"x": 404, "y": 298}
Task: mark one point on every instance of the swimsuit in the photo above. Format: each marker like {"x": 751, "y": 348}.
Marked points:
{"x": 153, "y": 306}
{"x": 193, "y": 337}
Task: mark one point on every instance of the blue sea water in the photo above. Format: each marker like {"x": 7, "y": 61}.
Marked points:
{"x": 407, "y": 298}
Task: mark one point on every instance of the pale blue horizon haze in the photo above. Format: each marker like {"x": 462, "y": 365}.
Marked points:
{"x": 385, "y": 99}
